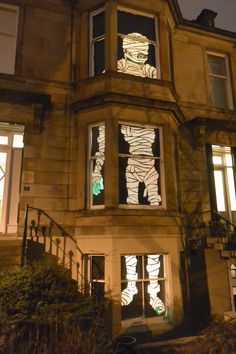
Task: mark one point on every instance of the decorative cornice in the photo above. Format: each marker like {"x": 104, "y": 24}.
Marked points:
{"x": 128, "y": 100}
{"x": 24, "y": 98}
{"x": 212, "y": 124}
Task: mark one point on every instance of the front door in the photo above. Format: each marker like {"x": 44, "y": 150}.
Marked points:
{"x": 11, "y": 145}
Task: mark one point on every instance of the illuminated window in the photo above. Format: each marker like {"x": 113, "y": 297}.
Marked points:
{"x": 8, "y": 33}
{"x": 137, "y": 45}
{"x": 219, "y": 78}
{"x": 96, "y": 165}
{"x": 143, "y": 286}
{"x": 95, "y": 275}
{"x": 233, "y": 282}
{"x": 97, "y": 43}
{"x": 224, "y": 179}
{"x": 140, "y": 161}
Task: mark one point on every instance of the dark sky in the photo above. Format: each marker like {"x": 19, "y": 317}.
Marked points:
{"x": 226, "y": 10}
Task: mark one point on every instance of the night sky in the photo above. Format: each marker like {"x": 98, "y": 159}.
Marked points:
{"x": 226, "y": 10}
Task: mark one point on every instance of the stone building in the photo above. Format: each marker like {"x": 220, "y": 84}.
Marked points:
{"x": 118, "y": 124}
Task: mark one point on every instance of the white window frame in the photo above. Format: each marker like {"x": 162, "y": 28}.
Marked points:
{"x": 14, "y": 9}
{"x": 161, "y": 172}
{"x": 92, "y": 40}
{"x": 166, "y": 279}
{"x": 227, "y": 79}
{"x": 155, "y": 43}
{"x": 90, "y": 167}
{"x": 222, "y": 151}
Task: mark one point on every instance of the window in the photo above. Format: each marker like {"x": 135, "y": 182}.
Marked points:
{"x": 233, "y": 282}
{"x": 143, "y": 286}
{"x": 8, "y": 33}
{"x": 219, "y": 78}
{"x": 137, "y": 45}
{"x": 95, "y": 275}
{"x": 97, "y": 43}
{"x": 140, "y": 165}
{"x": 224, "y": 181}
{"x": 96, "y": 165}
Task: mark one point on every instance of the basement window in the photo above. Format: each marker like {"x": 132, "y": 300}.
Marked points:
{"x": 143, "y": 286}
{"x": 8, "y": 35}
{"x": 95, "y": 275}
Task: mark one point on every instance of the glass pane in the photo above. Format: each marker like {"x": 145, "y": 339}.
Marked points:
{"x": 219, "y": 186}
{"x": 3, "y": 140}
{"x": 18, "y": 141}
{"x": 99, "y": 24}
{"x": 131, "y": 267}
{"x": 231, "y": 184}
{"x": 217, "y": 160}
{"x": 218, "y": 92}
{"x": 139, "y": 182}
{"x": 216, "y": 65}
{"x": 97, "y": 183}
{"x": 153, "y": 264}
{"x": 228, "y": 160}
{"x": 136, "y": 57}
{"x": 99, "y": 59}
{"x": 134, "y": 305}
{"x": 8, "y": 20}
{"x": 130, "y": 23}
{"x": 134, "y": 140}
{"x": 97, "y": 164}
{"x": 98, "y": 290}
{"x": 98, "y": 267}
{"x": 3, "y": 160}
{"x": 154, "y": 298}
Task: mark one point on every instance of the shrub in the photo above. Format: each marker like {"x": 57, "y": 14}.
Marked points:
{"x": 42, "y": 311}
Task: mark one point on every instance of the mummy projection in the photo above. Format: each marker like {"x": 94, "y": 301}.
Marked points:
{"x": 97, "y": 179}
{"x": 153, "y": 269}
{"x": 140, "y": 168}
{"x": 135, "y": 48}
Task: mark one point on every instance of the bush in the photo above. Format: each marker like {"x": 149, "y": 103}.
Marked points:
{"x": 42, "y": 311}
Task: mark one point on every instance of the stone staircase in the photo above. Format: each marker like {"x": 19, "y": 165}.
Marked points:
{"x": 10, "y": 252}
{"x": 217, "y": 233}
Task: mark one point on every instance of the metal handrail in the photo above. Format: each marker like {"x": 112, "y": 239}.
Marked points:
{"x": 63, "y": 232}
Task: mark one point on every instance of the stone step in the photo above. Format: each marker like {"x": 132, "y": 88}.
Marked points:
{"x": 10, "y": 251}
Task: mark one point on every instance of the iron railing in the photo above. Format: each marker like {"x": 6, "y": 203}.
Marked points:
{"x": 210, "y": 224}
{"x": 54, "y": 239}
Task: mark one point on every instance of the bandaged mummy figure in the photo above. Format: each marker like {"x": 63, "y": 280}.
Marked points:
{"x": 141, "y": 169}
{"x": 97, "y": 179}
{"x": 153, "y": 269}
{"x": 135, "y": 48}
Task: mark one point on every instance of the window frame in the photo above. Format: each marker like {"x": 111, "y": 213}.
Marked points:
{"x": 92, "y": 40}
{"x": 89, "y": 166}
{"x": 156, "y": 43}
{"x": 161, "y": 172}
{"x": 14, "y": 9}
{"x": 89, "y": 280}
{"x": 222, "y": 151}
{"x": 227, "y": 79}
{"x": 165, "y": 279}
